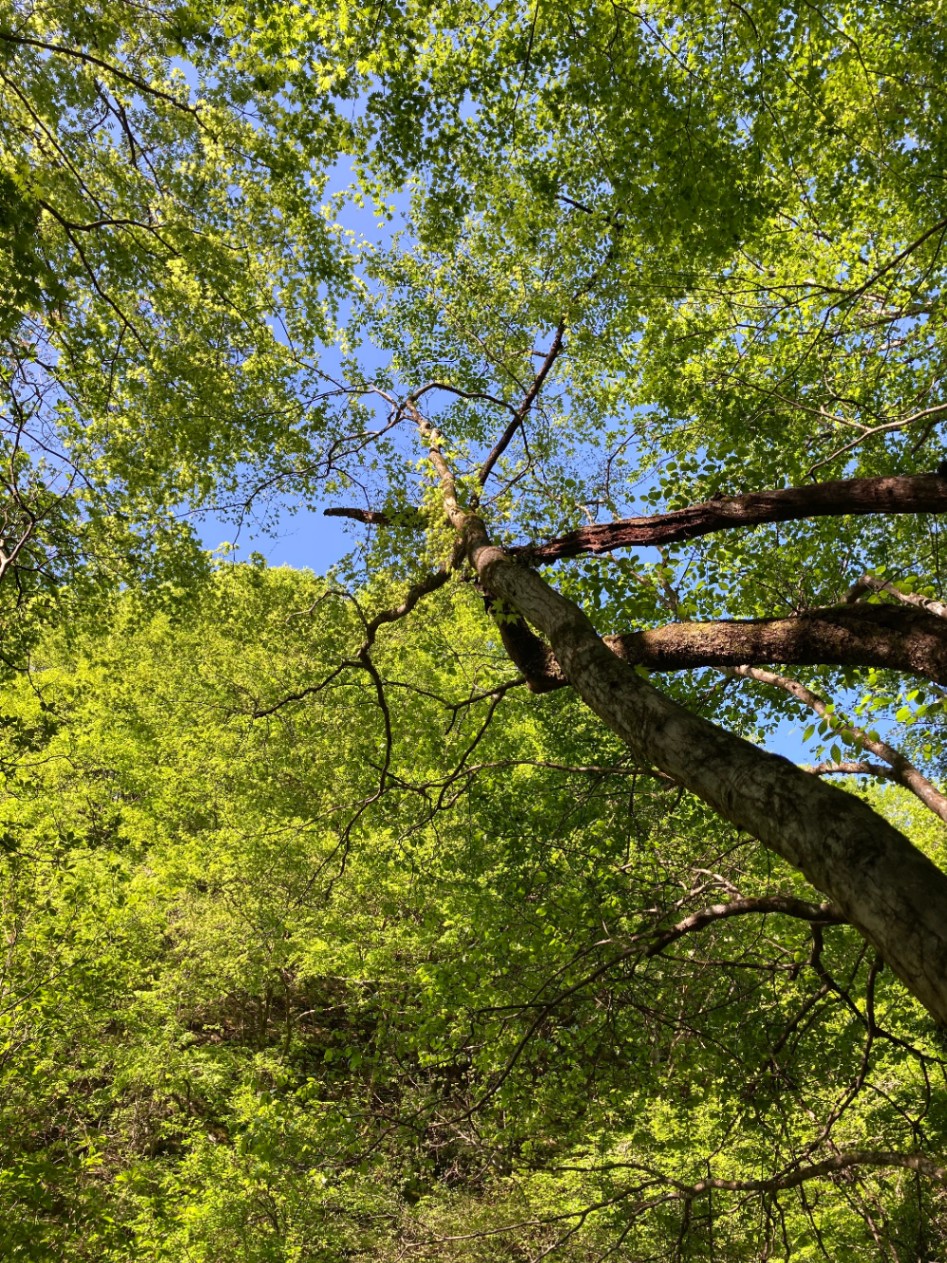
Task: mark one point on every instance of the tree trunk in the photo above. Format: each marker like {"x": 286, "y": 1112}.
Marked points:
{"x": 883, "y": 885}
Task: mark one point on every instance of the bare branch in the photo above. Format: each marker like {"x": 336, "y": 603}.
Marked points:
{"x": 479, "y": 396}
{"x": 529, "y": 399}
{"x": 313, "y": 690}
{"x": 374, "y": 517}
{"x": 430, "y": 583}
{"x": 829, "y": 1166}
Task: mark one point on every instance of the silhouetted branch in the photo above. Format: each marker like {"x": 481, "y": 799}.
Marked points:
{"x": 522, "y": 411}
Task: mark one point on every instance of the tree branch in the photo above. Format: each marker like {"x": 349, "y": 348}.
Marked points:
{"x": 902, "y": 770}
{"x": 866, "y": 635}
{"x": 677, "y": 1191}
{"x": 837, "y": 1163}
{"x": 529, "y": 399}
{"x": 870, "y": 583}
{"x": 430, "y": 583}
{"x": 849, "y": 767}
{"x": 916, "y": 493}
{"x": 786, "y": 905}
{"x": 880, "y": 636}
{"x": 409, "y": 517}
{"x": 919, "y": 493}
{"x": 884, "y": 885}
{"x": 90, "y": 59}
{"x": 849, "y": 295}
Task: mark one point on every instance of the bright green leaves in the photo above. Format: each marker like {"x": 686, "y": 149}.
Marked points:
{"x": 715, "y": 204}
{"x": 281, "y": 936}
{"x": 168, "y": 279}
{"x": 27, "y": 282}
{"x": 248, "y": 1000}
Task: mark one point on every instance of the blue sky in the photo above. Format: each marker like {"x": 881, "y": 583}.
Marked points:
{"x": 305, "y": 540}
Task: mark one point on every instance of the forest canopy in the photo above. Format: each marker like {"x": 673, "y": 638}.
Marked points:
{"x": 461, "y": 903}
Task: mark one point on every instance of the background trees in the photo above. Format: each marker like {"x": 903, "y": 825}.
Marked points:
{"x": 684, "y": 260}
{"x": 524, "y": 1000}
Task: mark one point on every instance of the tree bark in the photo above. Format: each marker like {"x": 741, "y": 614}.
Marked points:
{"x": 921, "y": 493}
{"x": 878, "y": 879}
{"x": 899, "y": 639}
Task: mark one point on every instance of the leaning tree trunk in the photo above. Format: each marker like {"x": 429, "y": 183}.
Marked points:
{"x": 887, "y": 888}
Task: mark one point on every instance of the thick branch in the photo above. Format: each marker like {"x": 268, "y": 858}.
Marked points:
{"x": 528, "y": 653}
{"x": 860, "y": 635}
{"x": 922, "y": 493}
{"x": 371, "y": 517}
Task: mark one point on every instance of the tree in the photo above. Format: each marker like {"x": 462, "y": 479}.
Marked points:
{"x": 768, "y": 201}
{"x": 688, "y": 254}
